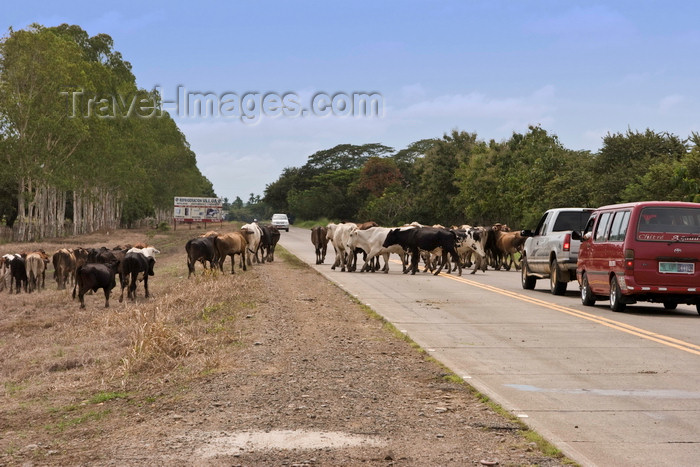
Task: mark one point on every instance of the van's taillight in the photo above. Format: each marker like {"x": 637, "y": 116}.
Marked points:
{"x": 567, "y": 242}
{"x": 629, "y": 259}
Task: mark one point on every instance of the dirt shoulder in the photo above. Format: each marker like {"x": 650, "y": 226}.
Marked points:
{"x": 272, "y": 366}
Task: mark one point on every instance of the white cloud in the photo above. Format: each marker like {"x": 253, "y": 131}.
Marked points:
{"x": 669, "y": 103}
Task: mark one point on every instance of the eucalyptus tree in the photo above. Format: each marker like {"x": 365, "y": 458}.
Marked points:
{"x": 36, "y": 67}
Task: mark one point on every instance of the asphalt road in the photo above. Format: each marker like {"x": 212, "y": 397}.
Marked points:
{"x": 606, "y": 388}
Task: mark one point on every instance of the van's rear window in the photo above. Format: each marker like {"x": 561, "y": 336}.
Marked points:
{"x": 669, "y": 224}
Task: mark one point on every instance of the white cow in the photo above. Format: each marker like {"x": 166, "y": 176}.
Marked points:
{"x": 253, "y": 234}
{"x": 5, "y": 275}
{"x": 148, "y": 252}
{"x": 341, "y": 232}
{"x": 371, "y": 241}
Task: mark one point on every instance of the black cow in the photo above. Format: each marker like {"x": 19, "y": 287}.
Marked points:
{"x": 425, "y": 238}
{"x": 94, "y": 276}
{"x": 268, "y": 241}
{"x": 18, "y": 273}
{"x": 200, "y": 249}
{"x": 131, "y": 266}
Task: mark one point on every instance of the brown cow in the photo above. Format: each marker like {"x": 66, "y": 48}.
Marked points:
{"x": 320, "y": 241}
{"x": 231, "y": 244}
{"x": 64, "y": 267}
{"x": 508, "y": 243}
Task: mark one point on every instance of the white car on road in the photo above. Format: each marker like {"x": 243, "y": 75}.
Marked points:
{"x": 280, "y": 221}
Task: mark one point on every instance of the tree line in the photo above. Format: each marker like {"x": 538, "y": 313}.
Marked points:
{"x": 82, "y": 147}
{"x": 461, "y": 179}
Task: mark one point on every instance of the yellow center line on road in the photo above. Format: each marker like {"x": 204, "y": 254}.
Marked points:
{"x": 617, "y": 325}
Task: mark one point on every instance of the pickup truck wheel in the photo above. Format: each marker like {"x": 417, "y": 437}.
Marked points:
{"x": 616, "y": 303}
{"x": 528, "y": 282}
{"x": 557, "y": 287}
{"x": 587, "y": 297}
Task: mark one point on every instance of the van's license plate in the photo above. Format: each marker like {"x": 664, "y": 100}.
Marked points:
{"x": 676, "y": 268}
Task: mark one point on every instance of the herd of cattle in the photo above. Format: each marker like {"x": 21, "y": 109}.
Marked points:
{"x": 438, "y": 246}
{"x": 87, "y": 269}
{"x": 253, "y": 243}
{"x": 91, "y": 269}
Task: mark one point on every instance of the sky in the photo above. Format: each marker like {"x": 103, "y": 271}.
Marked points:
{"x": 281, "y": 77}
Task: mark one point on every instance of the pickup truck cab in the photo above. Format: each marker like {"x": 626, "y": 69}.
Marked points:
{"x": 551, "y": 251}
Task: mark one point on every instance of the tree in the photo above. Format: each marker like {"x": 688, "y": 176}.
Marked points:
{"x": 625, "y": 159}
{"x": 71, "y": 150}
{"x": 437, "y": 188}
{"x": 377, "y": 174}
{"x": 36, "y": 66}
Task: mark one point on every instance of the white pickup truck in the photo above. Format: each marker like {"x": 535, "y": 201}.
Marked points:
{"x": 550, "y": 251}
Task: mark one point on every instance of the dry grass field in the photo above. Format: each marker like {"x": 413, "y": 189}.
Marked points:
{"x": 273, "y": 366}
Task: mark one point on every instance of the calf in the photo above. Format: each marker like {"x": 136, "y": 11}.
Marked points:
{"x": 94, "y": 276}
{"x": 133, "y": 266}
{"x": 200, "y": 249}
{"x": 320, "y": 241}
{"x": 425, "y": 238}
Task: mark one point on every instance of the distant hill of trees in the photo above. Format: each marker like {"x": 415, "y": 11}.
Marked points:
{"x": 81, "y": 146}
{"x": 460, "y": 179}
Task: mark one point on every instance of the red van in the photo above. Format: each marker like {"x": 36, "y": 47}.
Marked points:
{"x": 647, "y": 251}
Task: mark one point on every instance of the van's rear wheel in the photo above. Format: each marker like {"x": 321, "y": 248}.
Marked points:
{"x": 587, "y": 297}
{"x": 616, "y": 303}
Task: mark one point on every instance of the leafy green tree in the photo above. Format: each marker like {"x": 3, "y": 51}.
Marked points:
{"x": 276, "y": 192}
{"x": 75, "y": 144}
{"x": 437, "y": 189}
{"x": 625, "y": 159}
{"x": 343, "y": 157}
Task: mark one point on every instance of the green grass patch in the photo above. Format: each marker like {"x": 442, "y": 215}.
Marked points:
{"x": 290, "y": 259}
{"x": 13, "y": 389}
{"x": 312, "y": 223}
{"x": 101, "y": 397}
{"x": 89, "y": 416}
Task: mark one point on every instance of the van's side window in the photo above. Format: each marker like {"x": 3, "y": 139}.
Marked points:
{"x": 602, "y": 228}
{"x": 589, "y": 227}
{"x": 619, "y": 226}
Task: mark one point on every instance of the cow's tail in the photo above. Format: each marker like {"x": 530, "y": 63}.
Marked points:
{"x": 78, "y": 279}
